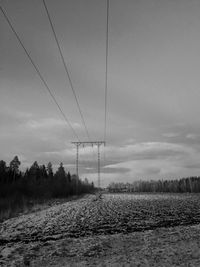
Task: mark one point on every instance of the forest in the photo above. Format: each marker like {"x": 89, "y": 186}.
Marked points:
{"x": 183, "y": 185}
{"x": 39, "y": 182}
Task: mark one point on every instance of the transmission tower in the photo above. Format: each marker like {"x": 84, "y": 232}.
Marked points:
{"x": 92, "y": 143}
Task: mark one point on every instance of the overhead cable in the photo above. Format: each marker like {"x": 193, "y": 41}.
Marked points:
{"x": 66, "y": 68}
{"x": 38, "y": 71}
{"x": 106, "y": 73}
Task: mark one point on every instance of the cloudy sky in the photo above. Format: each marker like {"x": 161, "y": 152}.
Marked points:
{"x": 153, "y": 128}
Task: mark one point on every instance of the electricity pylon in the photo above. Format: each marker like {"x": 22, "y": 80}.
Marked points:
{"x": 92, "y": 143}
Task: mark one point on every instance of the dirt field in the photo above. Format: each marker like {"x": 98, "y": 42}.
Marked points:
{"x": 117, "y": 230}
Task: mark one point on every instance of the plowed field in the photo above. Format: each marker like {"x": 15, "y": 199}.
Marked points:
{"x": 92, "y": 217}
{"x": 117, "y": 213}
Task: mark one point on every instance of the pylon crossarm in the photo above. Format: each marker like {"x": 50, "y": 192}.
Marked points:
{"x": 89, "y": 143}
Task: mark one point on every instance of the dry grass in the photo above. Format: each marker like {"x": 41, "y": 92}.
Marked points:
{"x": 17, "y": 205}
{"x": 12, "y": 206}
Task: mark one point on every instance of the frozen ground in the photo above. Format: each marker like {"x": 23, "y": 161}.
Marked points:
{"x": 129, "y": 230}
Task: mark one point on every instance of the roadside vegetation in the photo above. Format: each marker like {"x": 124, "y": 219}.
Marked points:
{"x": 21, "y": 190}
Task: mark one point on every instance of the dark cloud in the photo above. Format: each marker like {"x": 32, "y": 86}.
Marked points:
{"x": 115, "y": 170}
{"x": 152, "y": 171}
{"x": 149, "y": 151}
{"x": 192, "y": 166}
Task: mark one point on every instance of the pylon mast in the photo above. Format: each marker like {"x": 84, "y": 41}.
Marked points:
{"x": 92, "y": 143}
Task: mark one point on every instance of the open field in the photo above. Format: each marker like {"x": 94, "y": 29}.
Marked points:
{"x": 90, "y": 222}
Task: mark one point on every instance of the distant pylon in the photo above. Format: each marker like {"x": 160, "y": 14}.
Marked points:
{"x": 92, "y": 143}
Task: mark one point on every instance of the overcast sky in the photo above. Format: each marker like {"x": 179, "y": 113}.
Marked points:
{"x": 153, "y": 86}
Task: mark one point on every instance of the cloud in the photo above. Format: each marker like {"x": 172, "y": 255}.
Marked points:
{"x": 23, "y": 115}
{"x": 170, "y": 135}
{"x": 123, "y": 159}
{"x": 192, "y": 136}
{"x": 147, "y": 150}
{"x": 44, "y": 123}
{"x": 119, "y": 170}
{"x": 192, "y": 166}
{"x": 47, "y": 123}
{"x": 151, "y": 160}
{"x": 152, "y": 171}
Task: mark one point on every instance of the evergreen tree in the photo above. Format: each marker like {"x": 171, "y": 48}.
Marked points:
{"x": 14, "y": 167}
{"x": 3, "y": 172}
{"x": 43, "y": 172}
{"x": 60, "y": 181}
{"x": 50, "y": 170}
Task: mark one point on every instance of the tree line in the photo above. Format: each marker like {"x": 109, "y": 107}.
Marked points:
{"x": 39, "y": 181}
{"x": 183, "y": 185}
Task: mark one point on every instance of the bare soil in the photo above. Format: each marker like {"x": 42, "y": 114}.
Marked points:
{"x": 62, "y": 235}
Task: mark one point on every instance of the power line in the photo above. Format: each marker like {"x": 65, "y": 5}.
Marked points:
{"x": 106, "y": 72}
{"x": 65, "y": 67}
{"x": 106, "y": 78}
{"x": 38, "y": 71}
